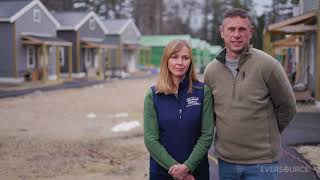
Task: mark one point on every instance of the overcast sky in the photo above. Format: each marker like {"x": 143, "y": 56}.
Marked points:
{"x": 259, "y": 5}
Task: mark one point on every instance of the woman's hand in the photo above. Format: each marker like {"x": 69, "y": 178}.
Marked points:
{"x": 189, "y": 177}
{"x": 179, "y": 171}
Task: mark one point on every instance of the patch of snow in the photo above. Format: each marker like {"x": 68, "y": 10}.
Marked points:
{"x": 125, "y": 126}
{"x": 119, "y": 115}
{"x": 91, "y": 115}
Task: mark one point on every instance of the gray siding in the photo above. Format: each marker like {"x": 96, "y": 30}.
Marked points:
{"x": 70, "y": 36}
{"x": 112, "y": 39}
{"x": 129, "y": 35}
{"x": 86, "y": 32}
{"x": 26, "y": 24}
{"x": 6, "y": 50}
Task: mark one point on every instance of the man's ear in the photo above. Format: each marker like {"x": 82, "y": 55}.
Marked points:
{"x": 252, "y": 31}
{"x": 221, "y": 31}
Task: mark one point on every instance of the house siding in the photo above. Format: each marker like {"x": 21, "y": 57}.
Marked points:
{"x": 6, "y": 50}
{"x": 113, "y": 40}
{"x": 25, "y": 24}
{"x": 70, "y": 36}
{"x": 129, "y": 35}
{"x": 86, "y": 32}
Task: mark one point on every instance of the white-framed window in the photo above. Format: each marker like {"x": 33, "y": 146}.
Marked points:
{"x": 37, "y": 15}
{"x": 31, "y": 57}
{"x": 92, "y": 24}
{"x": 62, "y": 57}
{"x": 88, "y": 57}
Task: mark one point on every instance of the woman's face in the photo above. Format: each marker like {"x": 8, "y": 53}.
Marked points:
{"x": 179, "y": 63}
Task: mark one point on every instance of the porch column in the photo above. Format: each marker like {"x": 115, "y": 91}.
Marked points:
{"x": 70, "y": 62}
{"x": 149, "y": 57}
{"x": 44, "y": 63}
{"x": 318, "y": 58}
{"x": 58, "y": 62}
{"x": 118, "y": 61}
{"x": 267, "y": 42}
{"x": 100, "y": 63}
{"x": 108, "y": 63}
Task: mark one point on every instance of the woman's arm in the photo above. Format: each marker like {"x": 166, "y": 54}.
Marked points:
{"x": 205, "y": 139}
{"x": 151, "y": 134}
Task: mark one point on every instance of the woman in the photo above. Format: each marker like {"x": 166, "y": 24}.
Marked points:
{"x": 178, "y": 118}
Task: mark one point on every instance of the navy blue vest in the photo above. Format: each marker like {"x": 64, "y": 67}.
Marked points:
{"x": 179, "y": 119}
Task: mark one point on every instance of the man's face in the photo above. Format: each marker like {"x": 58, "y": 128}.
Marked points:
{"x": 236, "y": 33}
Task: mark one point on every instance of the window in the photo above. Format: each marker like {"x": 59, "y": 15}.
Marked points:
{"x": 62, "y": 57}
{"x": 31, "y": 57}
{"x": 37, "y": 15}
{"x": 88, "y": 57}
{"x": 92, "y": 24}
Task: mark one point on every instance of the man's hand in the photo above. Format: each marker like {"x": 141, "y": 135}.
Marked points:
{"x": 179, "y": 171}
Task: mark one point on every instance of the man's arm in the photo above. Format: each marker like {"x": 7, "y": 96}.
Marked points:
{"x": 282, "y": 96}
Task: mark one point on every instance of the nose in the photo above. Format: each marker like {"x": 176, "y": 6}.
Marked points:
{"x": 179, "y": 60}
{"x": 236, "y": 34}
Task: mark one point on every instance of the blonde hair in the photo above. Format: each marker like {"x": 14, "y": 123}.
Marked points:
{"x": 165, "y": 82}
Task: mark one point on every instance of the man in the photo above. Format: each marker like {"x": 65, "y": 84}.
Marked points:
{"x": 253, "y": 103}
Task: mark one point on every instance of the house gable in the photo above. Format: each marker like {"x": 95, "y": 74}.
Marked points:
{"x": 35, "y": 22}
{"x": 91, "y": 30}
{"x": 30, "y": 6}
{"x": 130, "y": 33}
{"x": 96, "y": 18}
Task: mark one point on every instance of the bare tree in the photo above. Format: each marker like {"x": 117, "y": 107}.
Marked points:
{"x": 58, "y": 5}
{"x": 148, "y": 15}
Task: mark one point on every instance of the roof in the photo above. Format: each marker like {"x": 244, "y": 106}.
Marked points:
{"x": 11, "y": 10}
{"x": 69, "y": 19}
{"x": 292, "y": 21}
{"x": 162, "y": 40}
{"x": 74, "y": 20}
{"x": 195, "y": 43}
{"x": 215, "y": 49}
{"x": 117, "y": 26}
{"x": 37, "y": 40}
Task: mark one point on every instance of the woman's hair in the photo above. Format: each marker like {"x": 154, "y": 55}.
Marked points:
{"x": 165, "y": 82}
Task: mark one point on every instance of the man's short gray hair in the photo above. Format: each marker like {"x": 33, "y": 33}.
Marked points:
{"x": 237, "y": 12}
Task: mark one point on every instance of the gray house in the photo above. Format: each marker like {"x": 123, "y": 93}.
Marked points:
{"x": 86, "y": 31}
{"x": 29, "y": 47}
{"x": 124, "y": 34}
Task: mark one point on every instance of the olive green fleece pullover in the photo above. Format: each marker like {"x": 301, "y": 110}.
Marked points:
{"x": 251, "y": 109}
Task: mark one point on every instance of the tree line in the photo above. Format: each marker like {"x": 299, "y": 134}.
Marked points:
{"x": 179, "y": 16}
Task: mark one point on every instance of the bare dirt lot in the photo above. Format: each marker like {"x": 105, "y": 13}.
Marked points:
{"x": 66, "y": 135}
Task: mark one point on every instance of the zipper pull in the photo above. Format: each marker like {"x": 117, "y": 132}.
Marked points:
{"x": 180, "y": 112}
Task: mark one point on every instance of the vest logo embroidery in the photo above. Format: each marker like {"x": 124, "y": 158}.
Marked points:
{"x": 193, "y": 101}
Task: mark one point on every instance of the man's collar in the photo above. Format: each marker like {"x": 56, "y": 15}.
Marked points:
{"x": 222, "y": 55}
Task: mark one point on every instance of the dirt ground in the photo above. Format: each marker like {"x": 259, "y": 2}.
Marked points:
{"x": 66, "y": 134}
{"x": 48, "y": 135}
